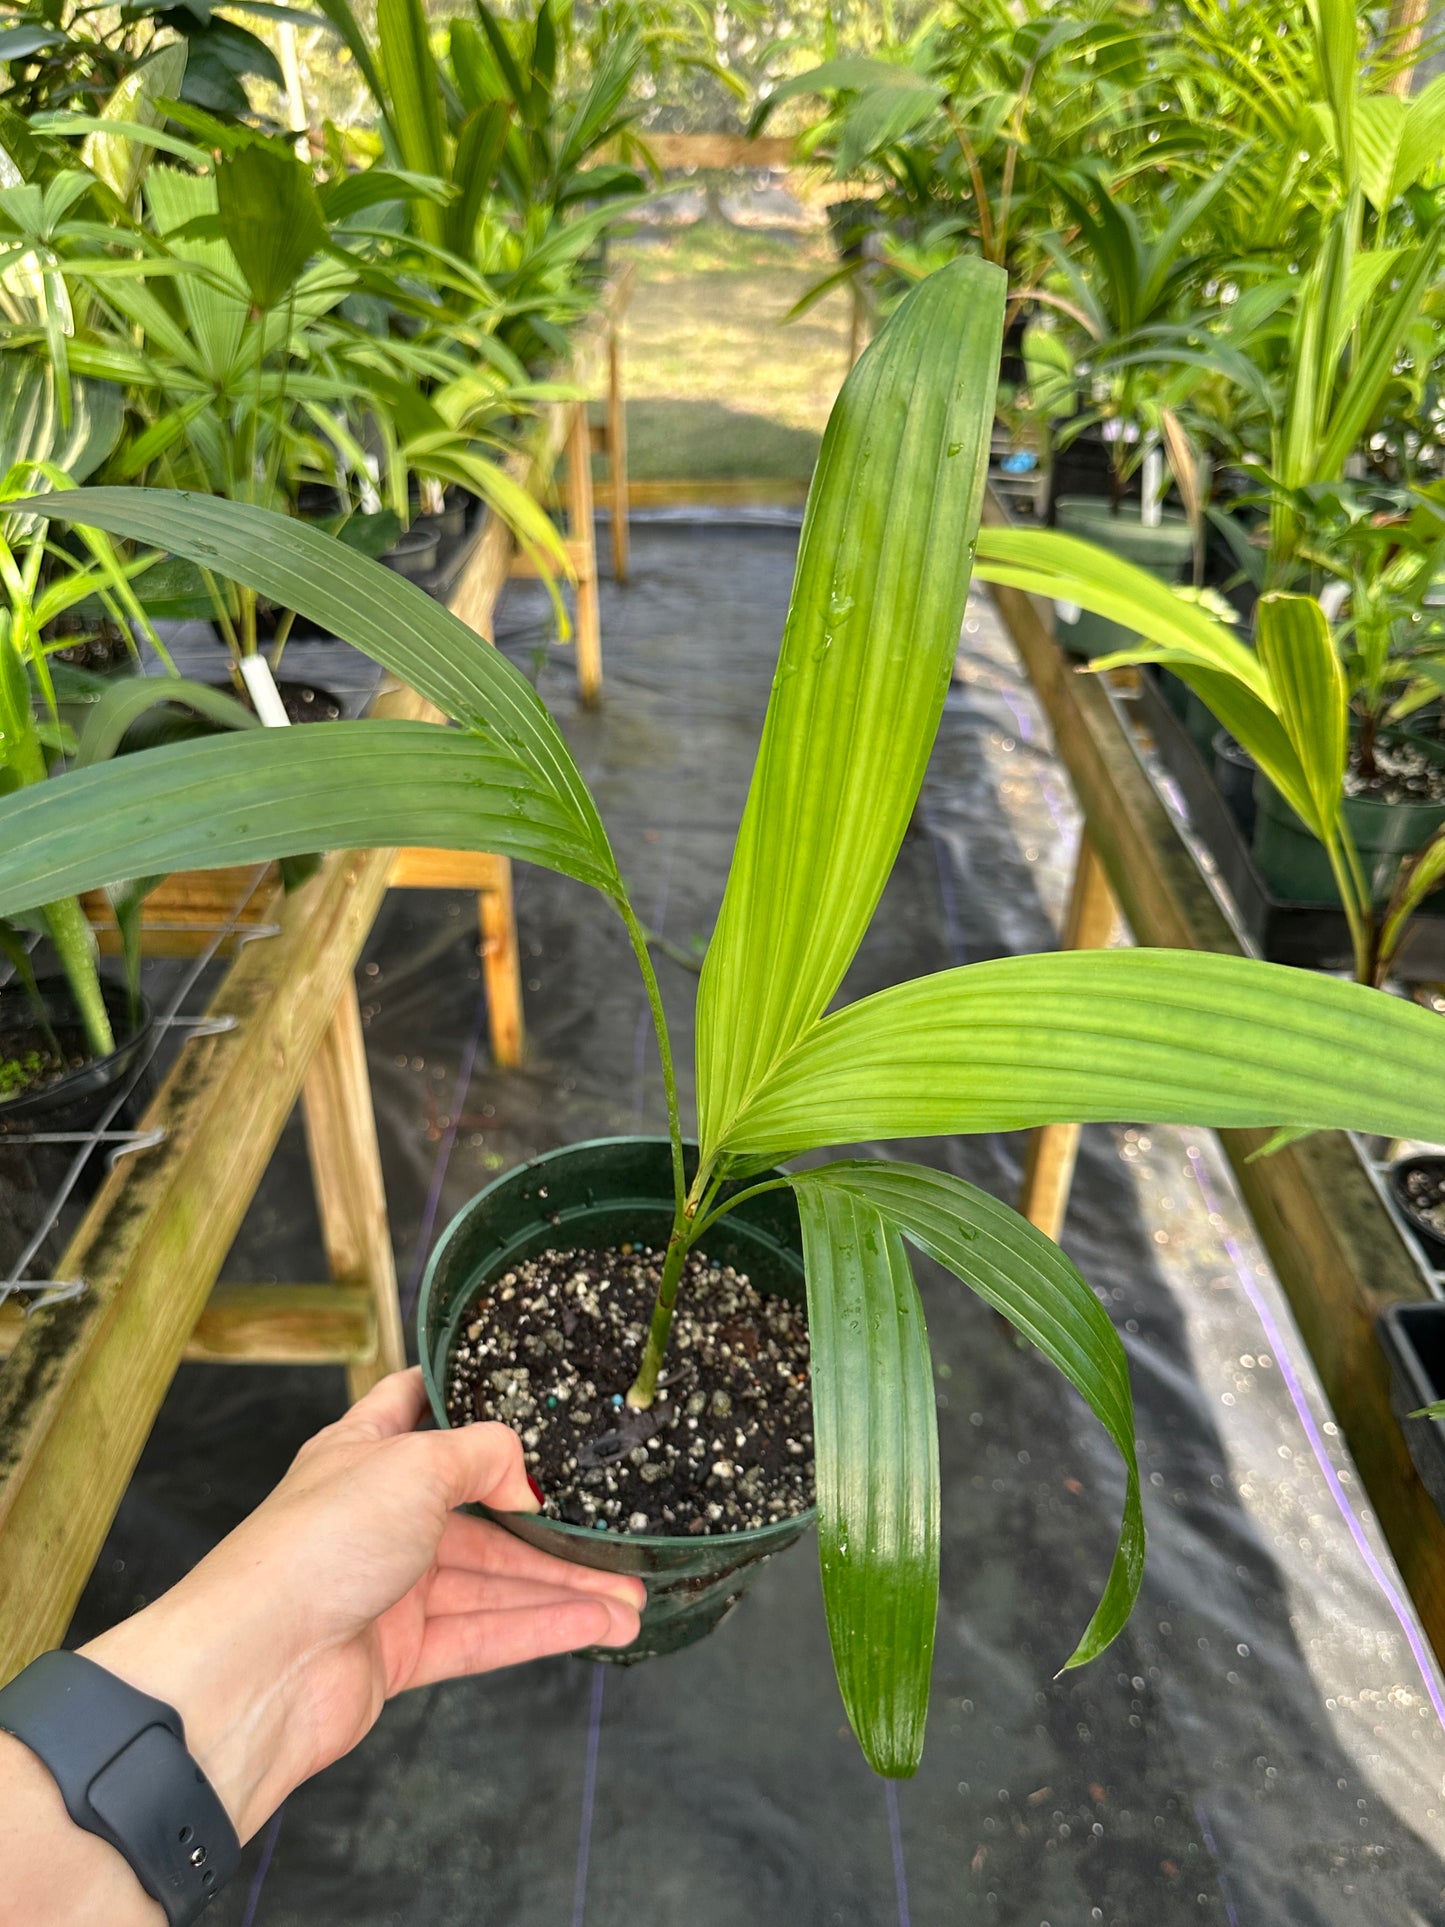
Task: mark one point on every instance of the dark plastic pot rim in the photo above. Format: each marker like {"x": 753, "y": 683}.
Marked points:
{"x": 758, "y": 1537}
{"x": 63, "y": 1091}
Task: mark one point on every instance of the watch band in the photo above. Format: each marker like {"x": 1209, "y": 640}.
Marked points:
{"x": 119, "y": 1758}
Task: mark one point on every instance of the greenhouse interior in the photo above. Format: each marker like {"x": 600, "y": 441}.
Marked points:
{"x": 722, "y": 963}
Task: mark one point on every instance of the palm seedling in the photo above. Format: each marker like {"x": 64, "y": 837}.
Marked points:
{"x": 864, "y": 667}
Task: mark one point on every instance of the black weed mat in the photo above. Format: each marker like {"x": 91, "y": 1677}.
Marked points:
{"x": 1259, "y": 1748}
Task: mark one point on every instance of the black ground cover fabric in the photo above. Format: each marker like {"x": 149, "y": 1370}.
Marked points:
{"x": 1259, "y": 1747}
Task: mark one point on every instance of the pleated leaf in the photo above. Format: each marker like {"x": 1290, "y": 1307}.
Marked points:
{"x": 266, "y": 793}
{"x": 1025, "y": 1276}
{"x": 867, "y": 652}
{"x": 414, "y": 99}
{"x": 876, "y": 1450}
{"x": 270, "y": 216}
{"x": 115, "y": 157}
{"x": 374, "y": 609}
{"x": 1168, "y": 1036}
{"x": 126, "y": 699}
{"x": 1312, "y": 696}
{"x": 1230, "y": 678}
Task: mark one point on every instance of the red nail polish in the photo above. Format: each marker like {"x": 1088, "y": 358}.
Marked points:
{"x": 537, "y": 1492}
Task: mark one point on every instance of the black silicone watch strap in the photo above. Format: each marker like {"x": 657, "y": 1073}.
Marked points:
{"x": 119, "y": 1758}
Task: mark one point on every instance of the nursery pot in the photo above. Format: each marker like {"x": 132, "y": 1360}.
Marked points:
{"x": 1413, "y": 1338}
{"x": 595, "y": 1195}
{"x": 31, "y": 1173}
{"x": 1234, "y": 774}
{"x": 1083, "y": 469}
{"x": 415, "y": 553}
{"x": 75, "y": 1101}
{"x": 1292, "y": 859}
{"x": 1165, "y": 551}
{"x": 1403, "y": 1176}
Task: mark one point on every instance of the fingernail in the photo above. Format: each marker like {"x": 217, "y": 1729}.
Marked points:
{"x": 536, "y": 1490}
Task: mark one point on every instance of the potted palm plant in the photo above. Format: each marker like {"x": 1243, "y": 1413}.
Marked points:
{"x": 865, "y": 664}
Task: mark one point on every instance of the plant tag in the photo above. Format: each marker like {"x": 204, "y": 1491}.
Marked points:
{"x": 1067, "y": 611}
{"x": 256, "y": 674}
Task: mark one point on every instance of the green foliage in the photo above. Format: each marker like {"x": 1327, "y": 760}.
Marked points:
{"x": 1213, "y": 1040}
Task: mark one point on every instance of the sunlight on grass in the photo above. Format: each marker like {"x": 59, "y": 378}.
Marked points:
{"x": 718, "y": 388}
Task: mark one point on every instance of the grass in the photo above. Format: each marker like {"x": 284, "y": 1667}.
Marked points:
{"x": 719, "y": 389}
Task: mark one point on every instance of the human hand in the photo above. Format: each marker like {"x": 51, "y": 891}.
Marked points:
{"x": 353, "y": 1581}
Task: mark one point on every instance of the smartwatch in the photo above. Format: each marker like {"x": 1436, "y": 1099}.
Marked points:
{"x": 119, "y": 1758}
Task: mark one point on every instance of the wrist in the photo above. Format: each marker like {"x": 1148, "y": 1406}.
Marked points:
{"x": 232, "y": 1699}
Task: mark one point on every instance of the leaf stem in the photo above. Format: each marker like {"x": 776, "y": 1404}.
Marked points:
{"x": 753, "y": 1191}
{"x": 638, "y": 939}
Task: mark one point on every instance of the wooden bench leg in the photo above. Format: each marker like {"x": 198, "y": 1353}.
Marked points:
{"x": 502, "y": 967}
{"x": 1053, "y": 1148}
{"x": 346, "y": 1170}
{"x": 582, "y": 529}
{"x": 617, "y": 458}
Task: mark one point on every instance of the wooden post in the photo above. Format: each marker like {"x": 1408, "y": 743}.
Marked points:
{"x": 856, "y": 322}
{"x": 582, "y": 530}
{"x": 346, "y": 1170}
{"x": 617, "y": 455}
{"x": 1053, "y": 1148}
{"x": 502, "y": 968}
{"x": 491, "y": 878}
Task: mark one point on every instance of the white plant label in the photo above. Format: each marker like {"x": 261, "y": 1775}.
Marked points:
{"x": 256, "y": 674}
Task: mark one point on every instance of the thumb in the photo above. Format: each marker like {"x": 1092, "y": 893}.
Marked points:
{"x": 481, "y": 1463}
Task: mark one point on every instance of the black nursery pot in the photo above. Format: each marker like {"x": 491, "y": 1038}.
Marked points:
{"x": 1234, "y": 770}
{"x": 606, "y": 1192}
{"x": 1413, "y": 1338}
{"x": 1406, "y": 1177}
{"x": 31, "y": 1173}
{"x": 78, "y": 1100}
{"x": 415, "y": 554}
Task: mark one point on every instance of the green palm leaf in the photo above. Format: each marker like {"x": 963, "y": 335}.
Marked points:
{"x": 876, "y": 1450}
{"x": 1023, "y": 1275}
{"x": 1169, "y": 1036}
{"x": 871, "y": 636}
{"x": 371, "y": 607}
{"x": 266, "y": 793}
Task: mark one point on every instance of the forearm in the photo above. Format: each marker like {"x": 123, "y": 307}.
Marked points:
{"x": 52, "y": 1872}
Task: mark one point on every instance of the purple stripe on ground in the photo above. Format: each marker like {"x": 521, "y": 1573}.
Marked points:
{"x": 443, "y": 1159}
{"x": 895, "y": 1835}
{"x": 263, "y": 1866}
{"x": 589, "y": 1794}
{"x": 1207, "y": 1833}
{"x": 1298, "y": 1397}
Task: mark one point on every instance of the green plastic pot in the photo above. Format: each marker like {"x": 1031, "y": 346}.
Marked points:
{"x": 1165, "y": 551}
{"x": 607, "y": 1192}
{"x": 1292, "y": 860}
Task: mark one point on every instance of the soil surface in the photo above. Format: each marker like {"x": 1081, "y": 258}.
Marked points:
{"x": 728, "y": 1444}
{"x": 1403, "y": 774}
{"x": 29, "y": 1059}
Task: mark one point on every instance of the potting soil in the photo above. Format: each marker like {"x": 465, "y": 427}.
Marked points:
{"x": 1263, "y": 1743}
{"x": 725, "y": 1446}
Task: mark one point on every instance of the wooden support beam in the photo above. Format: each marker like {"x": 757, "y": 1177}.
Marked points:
{"x": 581, "y": 559}
{"x": 582, "y": 547}
{"x": 80, "y": 1392}
{"x": 1333, "y": 1244}
{"x": 1054, "y": 1148}
{"x": 350, "y": 1197}
{"x": 449, "y": 870}
{"x": 617, "y": 459}
{"x": 723, "y": 493}
{"x": 264, "y": 1325}
{"x": 721, "y": 150}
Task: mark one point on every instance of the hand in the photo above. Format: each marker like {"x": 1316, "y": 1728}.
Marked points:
{"x": 355, "y": 1580}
